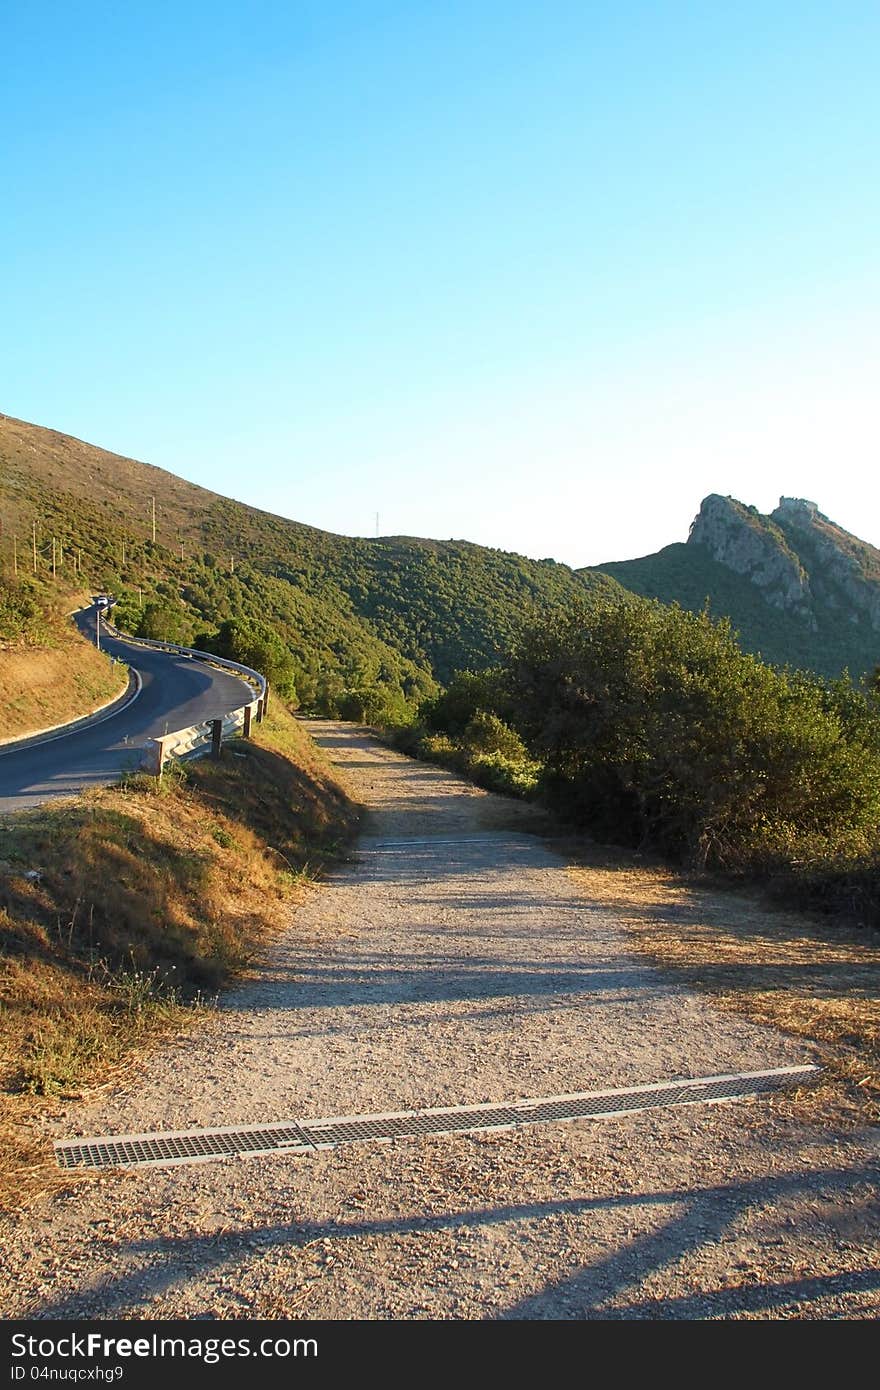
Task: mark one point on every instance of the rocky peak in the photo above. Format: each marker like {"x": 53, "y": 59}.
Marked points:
{"x": 797, "y": 511}
{"x": 755, "y": 547}
{"x": 844, "y": 571}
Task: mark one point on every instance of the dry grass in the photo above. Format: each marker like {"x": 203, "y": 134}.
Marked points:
{"x": 812, "y": 978}
{"x": 123, "y": 911}
{"x": 36, "y": 459}
{"x": 40, "y": 687}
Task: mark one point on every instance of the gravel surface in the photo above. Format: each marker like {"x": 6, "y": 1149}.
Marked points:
{"x": 453, "y": 961}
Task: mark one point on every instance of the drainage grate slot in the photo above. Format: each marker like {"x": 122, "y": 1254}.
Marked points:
{"x": 411, "y": 1124}
{"x": 304, "y": 1136}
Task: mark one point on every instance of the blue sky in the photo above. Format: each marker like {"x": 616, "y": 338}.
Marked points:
{"x": 536, "y": 275}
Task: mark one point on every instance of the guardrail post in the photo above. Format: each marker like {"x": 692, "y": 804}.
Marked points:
{"x": 246, "y": 726}
{"x": 216, "y": 737}
{"x": 264, "y": 704}
{"x": 153, "y": 759}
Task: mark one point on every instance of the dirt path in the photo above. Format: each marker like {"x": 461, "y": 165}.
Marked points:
{"x": 460, "y": 967}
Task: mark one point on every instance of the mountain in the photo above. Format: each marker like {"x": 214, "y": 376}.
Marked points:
{"x": 798, "y": 588}
{"x": 396, "y": 612}
{"x": 399, "y": 613}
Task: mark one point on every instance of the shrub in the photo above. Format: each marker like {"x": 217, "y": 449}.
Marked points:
{"x": 468, "y": 693}
{"x": 163, "y": 622}
{"x": 22, "y": 617}
{"x": 255, "y": 645}
{"x": 486, "y": 733}
{"x": 655, "y": 728}
{"x": 381, "y": 705}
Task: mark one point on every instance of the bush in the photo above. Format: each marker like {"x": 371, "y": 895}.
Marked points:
{"x": 486, "y": 733}
{"x": 498, "y": 773}
{"x": 468, "y": 693}
{"x": 843, "y": 887}
{"x": 252, "y": 644}
{"x": 511, "y": 773}
{"x": 655, "y": 729}
{"x": 163, "y": 622}
{"x": 126, "y": 613}
{"x": 384, "y": 706}
{"x": 22, "y": 618}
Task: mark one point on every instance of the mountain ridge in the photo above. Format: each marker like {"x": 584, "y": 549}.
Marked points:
{"x": 404, "y": 611}
{"x": 397, "y": 612}
{"x": 798, "y": 588}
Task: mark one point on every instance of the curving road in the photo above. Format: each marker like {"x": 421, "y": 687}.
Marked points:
{"x": 177, "y": 692}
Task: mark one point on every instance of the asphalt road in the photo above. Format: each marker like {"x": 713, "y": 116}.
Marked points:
{"x": 177, "y": 692}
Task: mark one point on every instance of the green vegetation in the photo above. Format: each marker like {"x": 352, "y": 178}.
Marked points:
{"x": 650, "y": 727}
{"x": 370, "y": 626}
{"x": 489, "y": 752}
{"x": 466, "y": 728}
{"x": 25, "y": 619}
{"x": 257, "y": 646}
{"x": 49, "y": 674}
{"x": 830, "y": 632}
{"x": 689, "y": 576}
{"x": 655, "y": 728}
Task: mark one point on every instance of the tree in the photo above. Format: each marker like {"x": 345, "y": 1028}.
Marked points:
{"x": 258, "y": 646}
{"x": 656, "y": 729}
{"x": 162, "y": 622}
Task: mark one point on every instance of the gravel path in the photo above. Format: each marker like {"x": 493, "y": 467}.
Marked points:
{"x": 460, "y": 967}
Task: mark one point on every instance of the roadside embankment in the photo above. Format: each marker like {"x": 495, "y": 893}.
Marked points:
{"x": 63, "y": 680}
{"x": 122, "y": 911}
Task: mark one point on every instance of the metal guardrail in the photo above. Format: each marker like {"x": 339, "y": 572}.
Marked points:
{"x": 201, "y": 740}
{"x": 206, "y": 738}
{"x": 255, "y": 677}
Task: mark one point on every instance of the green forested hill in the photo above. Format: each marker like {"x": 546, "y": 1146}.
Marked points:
{"x": 691, "y": 577}
{"x": 396, "y": 612}
{"x": 798, "y": 589}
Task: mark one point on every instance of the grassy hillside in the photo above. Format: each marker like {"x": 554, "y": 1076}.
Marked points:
{"x": 397, "y": 612}
{"x": 48, "y": 673}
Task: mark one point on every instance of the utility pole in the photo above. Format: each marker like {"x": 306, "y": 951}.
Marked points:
{"x": 123, "y": 552}
{"x": 232, "y": 564}
{"x": 377, "y": 526}
{"x": 35, "y": 547}
{"x": 53, "y": 557}
{"x": 153, "y": 501}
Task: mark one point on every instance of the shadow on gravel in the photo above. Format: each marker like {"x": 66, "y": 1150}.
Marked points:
{"x": 477, "y": 859}
{"x": 701, "y": 1218}
{"x": 745, "y": 1298}
{"x": 706, "y": 1215}
{"x": 372, "y": 980}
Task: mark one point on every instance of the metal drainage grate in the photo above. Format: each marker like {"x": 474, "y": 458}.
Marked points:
{"x": 303, "y": 1136}
{"x": 182, "y": 1146}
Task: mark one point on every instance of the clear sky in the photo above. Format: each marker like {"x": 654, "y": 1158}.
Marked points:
{"x": 538, "y": 275}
